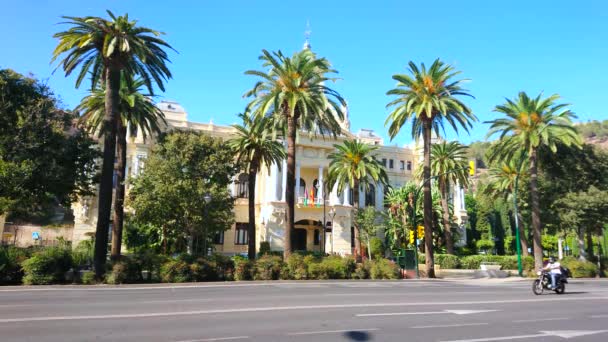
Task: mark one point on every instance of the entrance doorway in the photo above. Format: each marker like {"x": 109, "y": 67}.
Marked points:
{"x": 298, "y": 239}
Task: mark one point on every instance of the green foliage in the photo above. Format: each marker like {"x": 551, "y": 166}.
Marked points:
{"x": 150, "y": 262}
{"x": 332, "y": 267}
{"x": 44, "y": 158}
{"x": 82, "y": 255}
{"x": 447, "y": 261}
{"x": 366, "y": 222}
{"x": 485, "y": 245}
{"x": 166, "y": 196}
{"x": 48, "y": 266}
{"x": 593, "y": 129}
{"x": 362, "y": 270}
{"x": 242, "y": 268}
{"x": 383, "y": 269}
{"x": 264, "y": 248}
{"x": 297, "y": 268}
{"x": 124, "y": 271}
{"x": 268, "y": 267}
{"x": 175, "y": 271}
{"x": 377, "y": 247}
{"x": 10, "y": 264}
{"x": 88, "y": 278}
{"x": 579, "y": 268}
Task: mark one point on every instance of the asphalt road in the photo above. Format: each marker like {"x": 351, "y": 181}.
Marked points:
{"x": 473, "y": 311}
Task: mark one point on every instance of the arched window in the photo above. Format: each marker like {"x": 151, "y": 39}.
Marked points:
{"x": 302, "y": 187}
{"x": 242, "y": 186}
{"x": 370, "y": 196}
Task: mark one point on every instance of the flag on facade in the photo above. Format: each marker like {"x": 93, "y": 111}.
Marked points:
{"x": 305, "y": 196}
{"x": 312, "y": 197}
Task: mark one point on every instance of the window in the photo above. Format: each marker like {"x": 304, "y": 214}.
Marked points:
{"x": 370, "y": 196}
{"x": 240, "y": 233}
{"x": 402, "y": 165}
{"x": 218, "y": 238}
{"x": 242, "y": 186}
{"x": 384, "y": 162}
{"x": 302, "y": 187}
{"x": 409, "y": 166}
{"x": 391, "y": 164}
{"x": 317, "y": 237}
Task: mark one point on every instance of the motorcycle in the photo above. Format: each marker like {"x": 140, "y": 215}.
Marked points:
{"x": 544, "y": 283}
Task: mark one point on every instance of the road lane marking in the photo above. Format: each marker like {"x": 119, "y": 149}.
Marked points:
{"x": 599, "y": 316}
{"x": 329, "y": 331}
{"x": 541, "y": 320}
{"x": 297, "y": 307}
{"x": 447, "y": 325}
{"x": 457, "y": 312}
{"x": 559, "y": 333}
{"x": 217, "y": 339}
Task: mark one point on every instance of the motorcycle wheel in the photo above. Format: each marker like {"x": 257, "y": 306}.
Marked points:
{"x": 537, "y": 287}
{"x": 561, "y": 288}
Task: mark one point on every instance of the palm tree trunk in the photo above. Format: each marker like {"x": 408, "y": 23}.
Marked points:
{"x": 522, "y": 236}
{"x": 428, "y": 203}
{"x": 447, "y": 227}
{"x": 536, "y": 226}
{"x": 291, "y": 183}
{"x": 112, "y": 79}
{"x": 251, "y": 229}
{"x": 121, "y": 152}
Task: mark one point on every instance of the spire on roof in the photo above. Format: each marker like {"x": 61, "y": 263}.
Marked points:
{"x": 307, "y": 36}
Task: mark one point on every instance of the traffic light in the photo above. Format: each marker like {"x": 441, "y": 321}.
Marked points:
{"x": 420, "y": 232}
{"x": 471, "y": 168}
{"x": 411, "y": 236}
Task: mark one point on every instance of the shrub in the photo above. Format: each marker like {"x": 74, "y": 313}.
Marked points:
{"x": 264, "y": 248}
{"x": 10, "y": 264}
{"x": 242, "y": 268}
{"x": 377, "y": 248}
{"x": 224, "y": 267}
{"x": 332, "y": 267}
{"x": 362, "y": 271}
{"x": 82, "y": 255}
{"x": 175, "y": 271}
{"x": 447, "y": 261}
{"x": 464, "y": 251}
{"x": 88, "y": 278}
{"x": 383, "y": 269}
{"x": 579, "y": 268}
{"x": 295, "y": 267}
{"x": 47, "y": 266}
{"x": 268, "y": 267}
{"x": 124, "y": 271}
{"x": 150, "y": 262}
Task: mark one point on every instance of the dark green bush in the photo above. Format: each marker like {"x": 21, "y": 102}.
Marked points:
{"x": 88, "y": 278}
{"x": 149, "y": 264}
{"x": 447, "y": 261}
{"x": 377, "y": 248}
{"x": 332, "y": 267}
{"x": 176, "y": 271}
{"x": 264, "y": 248}
{"x": 124, "y": 271}
{"x": 362, "y": 271}
{"x": 82, "y": 255}
{"x": 224, "y": 266}
{"x": 383, "y": 269}
{"x": 296, "y": 268}
{"x": 268, "y": 267}
{"x": 579, "y": 268}
{"x": 10, "y": 264}
{"x": 242, "y": 268}
{"x": 47, "y": 266}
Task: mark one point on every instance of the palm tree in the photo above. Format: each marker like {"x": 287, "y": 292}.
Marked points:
{"x": 103, "y": 49}
{"x": 254, "y": 148}
{"x": 428, "y": 98}
{"x": 449, "y": 165}
{"x": 530, "y": 124}
{"x": 293, "y": 91}
{"x": 501, "y": 182}
{"x": 137, "y": 112}
{"x": 354, "y": 164}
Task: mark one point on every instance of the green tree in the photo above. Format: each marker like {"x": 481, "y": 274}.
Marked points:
{"x": 366, "y": 221}
{"x": 168, "y": 195}
{"x": 449, "y": 165}
{"x": 255, "y": 148}
{"x": 429, "y": 99}
{"x": 137, "y": 112}
{"x": 293, "y": 91}
{"x": 529, "y": 124}
{"x": 501, "y": 184}
{"x": 45, "y": 158}
{"x": 103, "y": 49}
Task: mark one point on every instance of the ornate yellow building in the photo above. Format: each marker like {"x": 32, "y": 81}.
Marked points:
{"x": 333, "y": 208}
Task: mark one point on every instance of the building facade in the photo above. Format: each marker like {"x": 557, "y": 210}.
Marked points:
{"x": 314, "y": 204}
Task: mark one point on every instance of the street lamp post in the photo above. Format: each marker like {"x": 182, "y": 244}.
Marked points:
{"x": 332, "y": 214}
{"x": 207, "y": 199}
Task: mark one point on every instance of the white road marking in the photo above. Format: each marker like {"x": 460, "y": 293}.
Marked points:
{"x": 599, "y": 316}
{"x": 218, "y": 339}
{"x": 559, "y": 333}
{"x": 297, "y": 307}
{"x": 329, "y": 331}
{"x": 541, "y": 320}
{"x": 447, "y": 325}
{"x": 457, "y": 312}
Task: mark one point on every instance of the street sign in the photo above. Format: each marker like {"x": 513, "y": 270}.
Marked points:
{"x": 36, "y": 235}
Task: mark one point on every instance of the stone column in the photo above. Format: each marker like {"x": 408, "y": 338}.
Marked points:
{"x": 361, "y": 197}
{"x": 320, "y": 184}
{"x": 283, "y": 180}
{"x": 333, "y": 196}
{"x": 379, "y": 197}
{"x": 297, "y": 189}
{"x": 272, "y": 183}
{"x": 347, "y": 195}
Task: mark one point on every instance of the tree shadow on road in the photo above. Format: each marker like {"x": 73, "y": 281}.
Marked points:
{"x": 357, "y": 335}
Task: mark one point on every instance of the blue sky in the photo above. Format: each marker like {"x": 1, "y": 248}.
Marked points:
{"x": 502, "y": 46}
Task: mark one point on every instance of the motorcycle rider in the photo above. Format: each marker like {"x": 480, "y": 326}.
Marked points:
{"x": 554, "y": 269}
